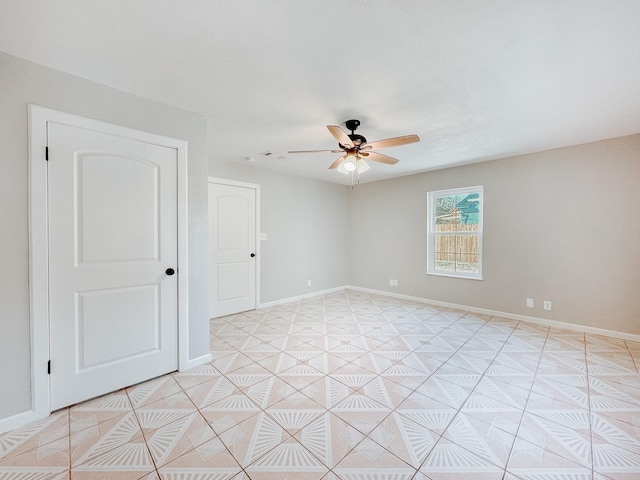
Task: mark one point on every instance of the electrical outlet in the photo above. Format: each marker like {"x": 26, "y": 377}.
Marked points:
{"x": 391, "y": 282}
{"x": 530, "y": 303}
{"x": 547, "y": 305}
{"x": 395, "y": 283}
{"x": 263, "y": 236}
{"x": 308, "y": 283}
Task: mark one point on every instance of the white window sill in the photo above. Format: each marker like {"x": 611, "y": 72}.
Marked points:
{"x": 455, "y": 275}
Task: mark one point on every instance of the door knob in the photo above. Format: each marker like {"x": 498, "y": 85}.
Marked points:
{"x": 170, "y": 271}
{"x": 253, "y": 255}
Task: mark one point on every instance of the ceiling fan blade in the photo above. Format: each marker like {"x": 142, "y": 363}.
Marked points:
{"x": 337, "y": 163}
{"x": 314, "y": 151}
{"x": 340, "y": 135}
{"x": 391, "y": 142}
{"x": 379, "y": 157}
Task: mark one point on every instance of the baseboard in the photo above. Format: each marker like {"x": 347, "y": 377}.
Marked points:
{"x": 302, "y": 297}
{"x": 512, "y": 316}
{"x": 16, "y": 421}
{"x": 196, "y": 362}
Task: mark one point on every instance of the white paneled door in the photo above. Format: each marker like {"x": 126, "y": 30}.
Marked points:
{"x": 112, "y": 206}
{"x": 232, "y": 238}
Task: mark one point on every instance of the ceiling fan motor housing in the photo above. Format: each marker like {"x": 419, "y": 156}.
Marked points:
{"x": 355, "y": 138}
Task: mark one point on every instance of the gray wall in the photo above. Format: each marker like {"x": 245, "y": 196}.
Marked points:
{"x": 21, "y": 83}
{"x": 307, "y": 227}
{"x": 561, "y": 225}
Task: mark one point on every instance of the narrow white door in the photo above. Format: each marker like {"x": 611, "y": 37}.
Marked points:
{"x": 112, "y": 205}
{"x": 232, "y": 238}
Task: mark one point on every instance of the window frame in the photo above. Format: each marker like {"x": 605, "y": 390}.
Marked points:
{"x": 431, "y": 231}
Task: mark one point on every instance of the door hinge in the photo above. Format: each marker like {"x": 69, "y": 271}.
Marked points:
{"x": 46, "y": 153}
{"x": 49, "y": 367}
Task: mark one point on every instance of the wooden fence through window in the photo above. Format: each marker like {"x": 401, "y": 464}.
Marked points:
{"x": 456, "y": 248}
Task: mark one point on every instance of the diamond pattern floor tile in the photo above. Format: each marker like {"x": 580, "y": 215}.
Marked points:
{"x": 357, "y": 386}
{"x": 450, "y": 461}
{"x": 35, "y": 435}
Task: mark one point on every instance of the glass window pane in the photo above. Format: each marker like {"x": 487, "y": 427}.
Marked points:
{"x": 467, "y": 263}
{"x": 455, "y": 230}
{"x": 454, "y": 213}
{"x": 445, "y": 210}
{"x": 445, "y": 262}
{"x": 469, "y": 208}
{"x": 456, "y": 253}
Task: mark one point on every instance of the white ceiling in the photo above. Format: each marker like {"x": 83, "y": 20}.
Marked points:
{"x": 475, "y": 79}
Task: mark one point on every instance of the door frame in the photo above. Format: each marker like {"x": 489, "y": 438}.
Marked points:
{"x": 39, "y": 244}
{"x": 256, "y": 187}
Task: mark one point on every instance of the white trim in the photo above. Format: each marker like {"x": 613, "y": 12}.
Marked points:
{"x": 38, "y": 260}
{"x": 196, "y": 362}
{"x": 38, "y": 240}
{"x": 431, "y": 233}
{"x": 256, "y": 187}
{"x": 183, "y": 255}
{"x": 512, "y": 316}
{"x": 452, "y": 275}
{"x": 20, "y": 419}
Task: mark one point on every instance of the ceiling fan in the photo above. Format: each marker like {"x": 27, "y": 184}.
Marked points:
{"x": 356, "y": 149}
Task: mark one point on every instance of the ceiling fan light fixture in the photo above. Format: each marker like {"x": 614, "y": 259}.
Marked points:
{"x": 353, "y": 164}
{"x": 349, "y": 165}
{"x": 362, "y": 165}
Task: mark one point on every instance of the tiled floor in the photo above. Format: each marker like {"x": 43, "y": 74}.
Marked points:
{"x": 355, "y": 386}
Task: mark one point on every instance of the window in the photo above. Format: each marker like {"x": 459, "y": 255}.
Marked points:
{"x": 455, "y": 232}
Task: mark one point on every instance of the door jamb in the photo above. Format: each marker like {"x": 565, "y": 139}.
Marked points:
{"x": 256, "y": 187}
{"x": 39, "y": 246}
